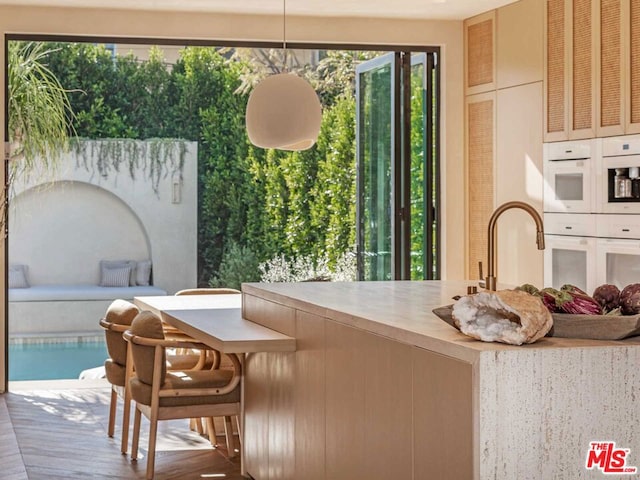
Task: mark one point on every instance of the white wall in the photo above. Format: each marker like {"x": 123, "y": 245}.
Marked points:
{"x": 61, "y": 225}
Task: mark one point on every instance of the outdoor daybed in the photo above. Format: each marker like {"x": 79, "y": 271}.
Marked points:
{"x": 67, "y": 309}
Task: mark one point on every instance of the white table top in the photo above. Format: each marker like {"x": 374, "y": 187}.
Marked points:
{"x": 216, "y": 320}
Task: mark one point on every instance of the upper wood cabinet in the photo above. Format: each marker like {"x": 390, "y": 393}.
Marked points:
{"x": 570, "y": 69}
{"x": 631, "y": 32}
{"x": 480, "y": 53}
{"x": 592, "y": 68}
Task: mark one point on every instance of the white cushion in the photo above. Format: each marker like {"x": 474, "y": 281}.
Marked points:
{"x": 48, "y": 293}
{"x": 143, "y": 272}
{"x": 18, "y": 276}
{"x": 119, "y": 263}
{"x": 115, "y": 276}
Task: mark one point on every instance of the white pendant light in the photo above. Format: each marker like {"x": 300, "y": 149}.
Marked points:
{"x": 283, "y": 111}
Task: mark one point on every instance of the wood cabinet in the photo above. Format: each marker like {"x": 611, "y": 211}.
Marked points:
{"x": 631, "y": 31}
{"x": 592, "y": 69}
{"x": 480, "y": 53}
{"x": 480, "y": 140}
{"x": 570, "y": 69}
{"x": 610, "y": 66}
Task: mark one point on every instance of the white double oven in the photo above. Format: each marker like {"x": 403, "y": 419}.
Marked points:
{"x": 592, "y": 212}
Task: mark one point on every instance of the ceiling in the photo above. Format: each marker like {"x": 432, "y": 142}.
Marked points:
{"x": 416, "y": 9}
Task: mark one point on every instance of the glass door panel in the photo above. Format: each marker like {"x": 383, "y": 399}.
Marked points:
{"x": 375, "y": 129}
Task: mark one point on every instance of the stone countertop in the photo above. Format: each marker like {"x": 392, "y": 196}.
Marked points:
{"x": 402, "y": 311}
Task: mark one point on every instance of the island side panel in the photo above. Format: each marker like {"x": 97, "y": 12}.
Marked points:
{"x": 256, "y": 415}
{"x": 388, "y": 408}
{"x": 345, "y": 397}
{"x": 442, "y": 416}
{"x": 541, "y": 408}
{"x": 309, "y": 388}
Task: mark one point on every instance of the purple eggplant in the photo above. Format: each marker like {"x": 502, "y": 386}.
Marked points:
{"x": 570, "y": 299}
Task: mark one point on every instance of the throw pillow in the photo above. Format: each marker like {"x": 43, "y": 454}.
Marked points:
{"x": 143, "y": 273}
{"x": 115, "y": 276}
{"x": 120, "y": 263}
{"x": 18, "y": 276}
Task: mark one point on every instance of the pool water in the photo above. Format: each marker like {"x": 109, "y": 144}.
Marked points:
{"x": 53, "y": 361}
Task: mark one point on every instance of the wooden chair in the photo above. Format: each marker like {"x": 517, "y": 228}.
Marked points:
{"x": 162, "y": 395}
{"x": 116, "y": 321}
{"x": 196, "y": 423}
{"x": 119, "y": 368}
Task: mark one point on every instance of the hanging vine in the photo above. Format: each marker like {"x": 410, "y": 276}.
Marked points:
{"x": 156, "y": 158}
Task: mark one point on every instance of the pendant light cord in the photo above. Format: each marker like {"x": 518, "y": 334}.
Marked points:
{"x": 284, "y": 33}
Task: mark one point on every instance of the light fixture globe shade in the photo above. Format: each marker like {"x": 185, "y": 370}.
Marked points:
{"x": 283, "y": 112}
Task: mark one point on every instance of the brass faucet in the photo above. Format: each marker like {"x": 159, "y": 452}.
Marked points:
{"x": 490, "y": 281}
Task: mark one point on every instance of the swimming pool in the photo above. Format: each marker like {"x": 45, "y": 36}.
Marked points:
{"x": 54, "y": 360}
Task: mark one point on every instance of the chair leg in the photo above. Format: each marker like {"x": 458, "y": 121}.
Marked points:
{"x": 192, "y": 424}
{"x": 228, "y": 432}
{"x": 199, "y": 427}
{"x": 136, "y": 434}
{"x": 237, "y": 417}
{"x": 151, "y": 454}
{"x": 112, "y": 412}
{"x": 211, "y": 429}
{"x": 126, "y": 416}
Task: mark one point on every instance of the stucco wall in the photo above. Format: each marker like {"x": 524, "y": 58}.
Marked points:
{"x": 61, "y": 225}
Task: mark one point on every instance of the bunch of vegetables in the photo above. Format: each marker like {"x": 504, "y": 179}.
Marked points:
{"x": 606, "y": 299}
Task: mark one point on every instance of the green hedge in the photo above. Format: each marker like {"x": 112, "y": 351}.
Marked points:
{"x": 254, "y": 203}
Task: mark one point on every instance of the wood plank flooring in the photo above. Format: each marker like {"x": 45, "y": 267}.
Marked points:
{"x": 59, "y": 431}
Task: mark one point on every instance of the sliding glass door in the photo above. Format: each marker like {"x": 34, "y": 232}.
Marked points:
{"x": 398, "y": 212}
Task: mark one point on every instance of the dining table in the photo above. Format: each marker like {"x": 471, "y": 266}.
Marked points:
{"x": 216, "y": 321}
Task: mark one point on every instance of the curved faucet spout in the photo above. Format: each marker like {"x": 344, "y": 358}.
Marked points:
{"x": 490, "y": 281}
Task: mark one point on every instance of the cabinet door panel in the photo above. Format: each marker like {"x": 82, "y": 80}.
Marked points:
{"x": 442, "y": 416}
{"x": 480, "y": 118}
{"x": 310, "y": 396}
{"x": 480, "y": 53}
{"x": 556, "y": 74}
{"x": 345, "y": 362}
{"x": 610, "y": 105}
{"x": 388, "y": 405}
{"x": 582, "y": 99}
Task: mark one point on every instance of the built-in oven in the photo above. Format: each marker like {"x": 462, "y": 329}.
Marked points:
{"x": 570, "y": 250}
{"x": 569, "y": 183}
{"x": 618, "y": 249}
{"x": 618, "y": 178}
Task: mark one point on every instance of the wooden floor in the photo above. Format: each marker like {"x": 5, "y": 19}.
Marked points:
{"x": 57, "y": 430}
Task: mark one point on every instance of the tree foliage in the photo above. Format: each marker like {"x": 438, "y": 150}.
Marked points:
{"x": 253, "y": 204}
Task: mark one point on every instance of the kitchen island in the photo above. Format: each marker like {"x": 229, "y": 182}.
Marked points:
{"x": 381, "y": 388}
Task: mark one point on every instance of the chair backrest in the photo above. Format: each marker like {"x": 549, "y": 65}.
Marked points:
{"x": 208, "y": 291}
{"x": 119, "y": 313}
{"x": 147, "y": 325}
